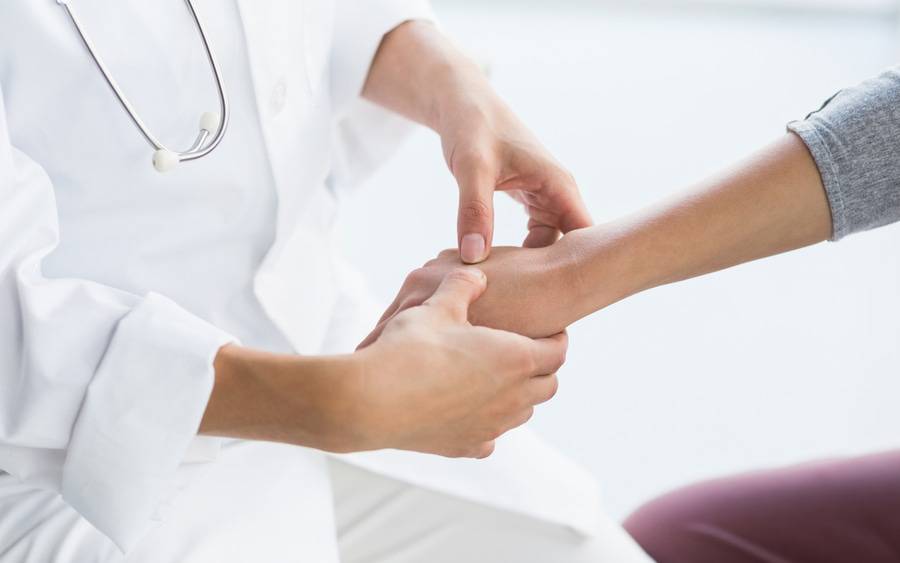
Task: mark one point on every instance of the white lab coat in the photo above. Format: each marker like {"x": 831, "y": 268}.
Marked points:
{"x": 118, "y": 284}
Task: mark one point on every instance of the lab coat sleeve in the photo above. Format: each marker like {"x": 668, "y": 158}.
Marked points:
{"x": 101, "y": 391}
{"x": 365, "y": 135}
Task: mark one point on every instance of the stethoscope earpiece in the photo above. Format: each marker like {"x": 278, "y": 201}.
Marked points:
{"x": 165, "y": 160}
{"x": 209, "y": 122}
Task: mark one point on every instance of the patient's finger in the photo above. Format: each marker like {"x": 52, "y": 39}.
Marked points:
{"x": 392, "y": 308}
{"x": 386, "y": 318}
{"x": 368, "y": 340}
{"x": 379, "y": 328}
{"x": 404, "y": 300}
{"x": 398, "y": 305}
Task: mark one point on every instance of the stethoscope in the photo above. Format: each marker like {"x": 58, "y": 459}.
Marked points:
{"x": 165, "y": 159}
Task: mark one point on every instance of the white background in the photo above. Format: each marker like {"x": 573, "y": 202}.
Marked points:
{"x": 791, "y": 358}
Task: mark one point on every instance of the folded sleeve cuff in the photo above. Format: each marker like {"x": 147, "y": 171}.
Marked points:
{"x": 359, "y": 27}
{"x": 831, "y": 179}
{"x": 140, "y": 417}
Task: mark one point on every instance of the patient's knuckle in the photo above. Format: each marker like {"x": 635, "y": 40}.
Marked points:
{"x": 402, "y": 321}
{"x": 416, "y": 277}
{"x": 410, "y": 304}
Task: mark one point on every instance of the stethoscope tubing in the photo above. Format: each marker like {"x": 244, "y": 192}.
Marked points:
{"x": 200, "y": 147}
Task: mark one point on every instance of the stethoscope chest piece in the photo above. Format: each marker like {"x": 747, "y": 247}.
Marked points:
{"x": 212, "y": 125}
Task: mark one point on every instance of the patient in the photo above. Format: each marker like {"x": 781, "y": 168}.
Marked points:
{"x": 833, "y": 174}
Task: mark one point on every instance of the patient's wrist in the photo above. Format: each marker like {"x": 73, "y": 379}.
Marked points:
{"x": 605, "y": 266}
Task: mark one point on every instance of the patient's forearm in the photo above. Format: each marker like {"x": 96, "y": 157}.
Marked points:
{"x": 771, "y": 203}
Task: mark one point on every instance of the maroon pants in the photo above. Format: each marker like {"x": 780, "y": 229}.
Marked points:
{"x": 836, "y": 511}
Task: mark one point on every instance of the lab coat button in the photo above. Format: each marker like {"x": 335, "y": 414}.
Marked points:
{"x": 279, "y": 97}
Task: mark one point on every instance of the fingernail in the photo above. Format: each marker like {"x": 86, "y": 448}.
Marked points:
{"x": 471, "y": 250}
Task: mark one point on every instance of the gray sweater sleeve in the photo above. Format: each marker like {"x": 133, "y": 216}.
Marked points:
{"x": 855, "y": 141}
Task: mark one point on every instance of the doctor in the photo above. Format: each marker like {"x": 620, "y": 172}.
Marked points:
{"x": 141, "y": 308}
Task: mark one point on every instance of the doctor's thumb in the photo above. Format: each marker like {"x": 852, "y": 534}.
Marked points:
{"x": 459, "y": 289}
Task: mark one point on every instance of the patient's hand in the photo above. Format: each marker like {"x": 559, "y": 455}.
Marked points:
{"x": 528, "y": 291}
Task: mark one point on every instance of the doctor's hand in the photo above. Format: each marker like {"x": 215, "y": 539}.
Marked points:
{"x": 419, "y": 73}
{"x": 433, "y": 383}
{"x": 488, "y": 149}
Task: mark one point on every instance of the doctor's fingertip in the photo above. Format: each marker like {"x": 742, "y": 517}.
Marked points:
{"x": 472, "y": 248}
